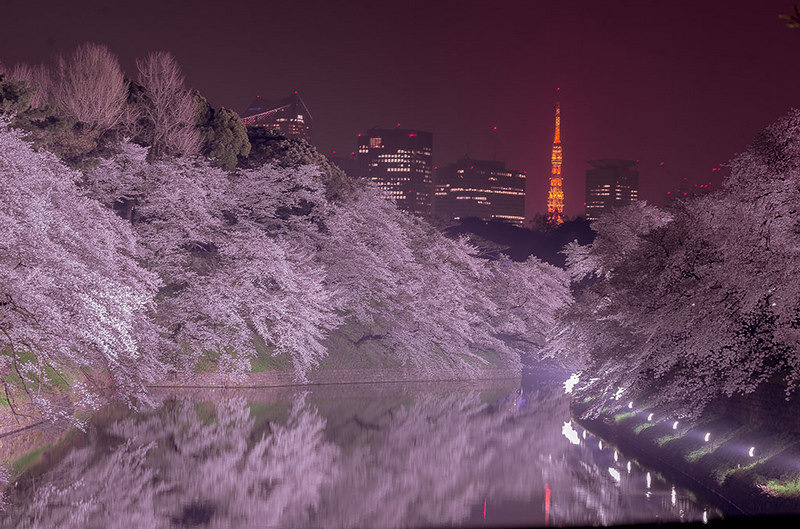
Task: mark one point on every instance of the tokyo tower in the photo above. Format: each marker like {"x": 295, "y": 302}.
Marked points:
{"x": 555, "y": 198}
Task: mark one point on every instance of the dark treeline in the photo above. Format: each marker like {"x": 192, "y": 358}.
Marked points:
{"x": 545, "y": 242}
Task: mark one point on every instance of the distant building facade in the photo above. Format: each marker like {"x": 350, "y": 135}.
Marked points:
{"x": 480, "y": 188}
{"x": 400, "y": 162}
{"x": 289, "y": 116}
{"x": 611, "y": 184}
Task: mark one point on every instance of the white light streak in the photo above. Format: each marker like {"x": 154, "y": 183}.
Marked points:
{"x": 674, "y": 496}
{"x": 650, "y": 417}
{"x": 752, "y": 451}
{"x": 707, "y": 437}
{"x": 629, "y": 467}
{"x": 569, "y": 432}
{"x": 614, "y": 474}
{"x": 630, "y": 405}
{"x": 648, "y": 480}
{"x": 675, "y": 425}
{"x": 570, "y": 382}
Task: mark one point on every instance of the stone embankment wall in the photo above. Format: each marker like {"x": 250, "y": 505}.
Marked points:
{"x": 333, "y": 376}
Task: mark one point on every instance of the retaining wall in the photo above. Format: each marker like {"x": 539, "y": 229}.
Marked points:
{"x": 333, "y": 376}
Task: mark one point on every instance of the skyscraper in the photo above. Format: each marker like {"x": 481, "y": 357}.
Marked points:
{"x": 400, "y": 161}
{"x": 611, "y": 184}
{"x": 555, "y": 198}
{"x": 289, "y": 116}
{"x": 480, "y": 188}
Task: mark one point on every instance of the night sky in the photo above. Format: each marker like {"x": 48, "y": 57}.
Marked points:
{"x": 684, "y": 83}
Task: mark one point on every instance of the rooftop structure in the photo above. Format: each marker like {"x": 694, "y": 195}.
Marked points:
{"x": 289, "y": 116}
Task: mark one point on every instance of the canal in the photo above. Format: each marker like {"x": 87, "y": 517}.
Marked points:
{"x": 492, "y": 453}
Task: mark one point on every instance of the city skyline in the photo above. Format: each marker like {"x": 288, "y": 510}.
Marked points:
{"x": 658, "y": 84}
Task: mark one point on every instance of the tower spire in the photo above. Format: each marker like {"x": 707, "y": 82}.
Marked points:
{"x": 555, "y": 198}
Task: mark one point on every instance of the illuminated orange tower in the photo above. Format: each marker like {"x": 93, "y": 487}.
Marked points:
{"x": 555, "y": 199}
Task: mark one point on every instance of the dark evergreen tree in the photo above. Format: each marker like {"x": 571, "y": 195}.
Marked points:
{"x": 223, "y": 134}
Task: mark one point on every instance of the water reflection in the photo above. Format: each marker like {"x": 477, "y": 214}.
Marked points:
{"x": 374, "y": 458}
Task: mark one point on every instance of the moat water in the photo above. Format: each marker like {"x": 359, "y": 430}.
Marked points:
{"x": 385, "y": 455}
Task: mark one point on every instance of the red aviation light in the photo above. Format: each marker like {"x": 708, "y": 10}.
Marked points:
{"x": 411, "y": 135}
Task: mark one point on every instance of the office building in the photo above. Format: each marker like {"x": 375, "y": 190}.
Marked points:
{"x": 611, "y": 184}
{"x": 400, "y": 162}
{"x": 480, "y": 188}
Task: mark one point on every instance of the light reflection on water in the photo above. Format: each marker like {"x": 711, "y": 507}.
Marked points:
{"x": 392, "y": 455}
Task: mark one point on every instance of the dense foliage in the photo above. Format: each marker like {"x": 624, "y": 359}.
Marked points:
{"x": 80, "y": 107}
{"x": 72, "y": 292}
{"x": 201, "y": 264}
{"x": 699, "y": 301}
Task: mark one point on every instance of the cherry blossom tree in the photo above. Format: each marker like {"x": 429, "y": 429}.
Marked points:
{"x": 231, "y": 251}
{"x": 72, "y": 294}
{"x": 699, "y": 302}
{"x": 430, "y": 299}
